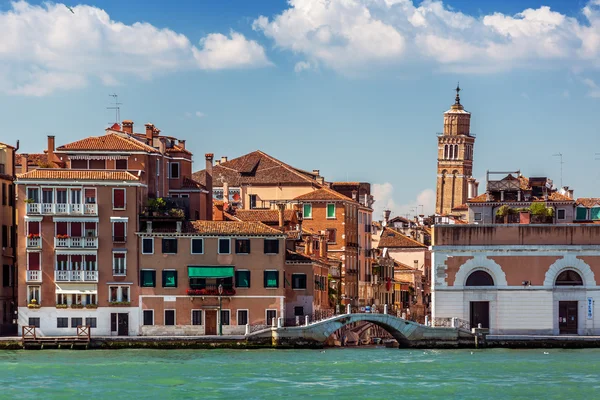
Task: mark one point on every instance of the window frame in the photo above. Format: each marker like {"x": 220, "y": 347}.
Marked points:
{"x": 94, "y": 325}
{"x": 219, "y": 245}
{"x": 126, "y": 165}
{"x": 236, "y": 280}
{"x": 228, "y": 311}
{"x": 124, "y": 199}
{"x": 164, "y": 283}
{"x": 304, "y": 207}
{"x": 237, "y": 316}
{"x": 305, "y": 281}
{"x": 74, "y": 321}
{"x": 146, "y": 270}
{"x": 144, "y": 317}
{"x": 62, "y": 320}
{"x": 35, "y": 319}
{"x": 171, "y": 170}
{"x": 267, "y": 316}
{"x": 564, "y": 211}
{"x": 245, "y": 240}
{"x": 475, "y": 214}
{"x": 265, "y": 279}
{"x": 267, "y": 240}
{"x": 201, "y": 317}
{"x": 163, "y": 245}
{"x": 152, "y": 241}
{"x": 174, "y": 316}
{"x": 192, "y": 245}
{"x": 327, "y": 211}
{"x": 39, "y": 294}
{"x": 115, "y": 273}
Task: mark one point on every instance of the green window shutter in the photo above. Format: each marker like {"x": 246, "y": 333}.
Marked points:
{"x": 242, "y": 279}
{"x": 148, "y": 278}
{"x": 271, "y": 279}
{"x": 330, "y": 210}
{"x": 581, "y": 213}
{"x": 307, "y": 211}
{"x": 169, "y": 278}
{"x": 595, "y": 213}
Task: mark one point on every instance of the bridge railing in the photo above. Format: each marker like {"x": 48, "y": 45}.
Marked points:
{"x": 318, "y": 315}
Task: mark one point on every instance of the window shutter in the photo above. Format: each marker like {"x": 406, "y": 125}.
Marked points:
{"x": 119, "y": 229}
{"x": 34, "y": 261}
{"x": 33, "y": 227}
{"x": 61, "y": 228}
{"x": 119, "y": 198}
{"x": 76, "y": 229}
{"x": 6, "y": 275}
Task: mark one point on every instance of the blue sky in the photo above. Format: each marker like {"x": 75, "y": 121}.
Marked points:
{"x": 354, "y": 88}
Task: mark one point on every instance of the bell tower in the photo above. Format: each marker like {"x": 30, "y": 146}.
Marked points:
{"x": 455, "y": 184}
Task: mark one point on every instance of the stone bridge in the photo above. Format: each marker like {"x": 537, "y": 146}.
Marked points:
{"x": 407, "y": 333}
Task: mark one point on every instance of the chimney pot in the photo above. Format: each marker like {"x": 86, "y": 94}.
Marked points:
{"x": 281, "y": 214}
{"x": 223, "y": 159}
{"x": 209, "y": 185}
{"x": 50, "y": 148}
{"x": 182, "y": 143}
{"x": 217, "y": 162}
{"x": 149, "y": 133}
{"x": 128, "y": 126}
{"x": 316, "y": 172}
{"x": 24, "y": 163}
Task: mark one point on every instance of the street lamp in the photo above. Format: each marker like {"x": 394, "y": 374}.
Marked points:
{"x": 220, "y": 312}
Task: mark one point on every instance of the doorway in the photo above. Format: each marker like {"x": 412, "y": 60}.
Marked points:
{"x": 567, "y": 317}
{"x": 119, "y": 323}
{"x": 480, "y": 314}
{"x": 210, "y": 322}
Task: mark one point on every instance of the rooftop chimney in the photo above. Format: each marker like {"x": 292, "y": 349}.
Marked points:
{"x": 128, "y": 126}
{"x": 316, "y": 172}
{"x": 24, "y": 163}
{"x": 50, "y": 148}
{"x": 322, "y": 247}
{"x": 281, "y": 214}
{"x": 354, "y": 195}
{"x": 149, "y": 133}
{"x": 223, "y": 159}
{"x": 225, "y": 197}
{"x": 182, "y": 143}
{"x": 209, "y": 185}
{"x": 155, "y": 132}
{"x": 217, "y": 162}
{"x": 386, "y": 215}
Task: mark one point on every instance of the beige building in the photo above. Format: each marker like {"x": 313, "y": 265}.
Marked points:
{"x": 455, "y": 183}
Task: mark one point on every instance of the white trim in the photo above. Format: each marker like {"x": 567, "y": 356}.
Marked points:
{"x": 75, "y": 219}
{"x": 124, "y": 262}
{"x": 174, "y": 316}
{"x": 219, "y": 245}
{"x": 237, "y": 322}
{"x": 192, "y": 247}
{"x": 29, "y": 218}
{"x": 145, "y": 238}
{"x": 77, "y": 252}
{"x": 570, "y": 261}
{"x": 124, "y": 201}
{"x": 119, "y": 219}
{"x": 201, "y": 317}
{"x": 68, "y": 182}
{"x": 144, "y": 310}
{"x": 480, "y": 262}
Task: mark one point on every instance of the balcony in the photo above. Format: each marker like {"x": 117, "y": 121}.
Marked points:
{"x": 34, "y": 242}
{"x": 76, "y": 276}
{"x": 210, "y": 290}
{"x": 34, "y": 276}
{"x": 76, "y": 243}
{"x": 61, "y": 209}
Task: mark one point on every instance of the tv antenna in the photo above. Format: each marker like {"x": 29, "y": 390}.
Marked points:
{"x": 561, "y": 167}
{"x": 116, "y": 107}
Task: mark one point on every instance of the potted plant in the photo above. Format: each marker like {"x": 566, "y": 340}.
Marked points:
{"x": 91, "y": 306}
{"x": 61, "y": 306}
{"x": 161, "y": 205}
{"x": 76, "y": 305}
{"x": 119, "y": 304}
{"x": 176, "y": 212}
{"x": 29, "y": 201}
{"x": 33, "y": 304}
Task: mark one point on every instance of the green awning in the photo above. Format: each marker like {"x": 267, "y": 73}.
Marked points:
{"x": 210, "y": 272}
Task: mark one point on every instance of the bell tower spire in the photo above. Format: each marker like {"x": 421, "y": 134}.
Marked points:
{"x": 455, "y": 184}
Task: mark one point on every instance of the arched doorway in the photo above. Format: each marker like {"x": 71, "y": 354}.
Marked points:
{"x": 479, "y": 311}
{"x": 568, "y": 310}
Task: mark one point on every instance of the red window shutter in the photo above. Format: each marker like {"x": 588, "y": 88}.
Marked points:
{"x": 119, "y": 230}
{"x": 90, "y": 225}
{"x": 62, "y": 257}
{"x": 33, "y": 228}
{"x": 90, "y": 192}
{"x": 61, "y": 228}
{"x": 76, "y": 229}
{"x": 119, "y": 255}
{"x": 119, "y": 198}
{"x": 34, "y": 261}
{"x": 90, "y": 258}
{"x": 76, "y": 258}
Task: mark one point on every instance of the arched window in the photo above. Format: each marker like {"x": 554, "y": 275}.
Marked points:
{"x": 445, "y": 152}
{"x": 451, "y": 152}
{"x": 480, "y": 278}
{"x": 568, "y": 278}
{"x": 456, "y": 152}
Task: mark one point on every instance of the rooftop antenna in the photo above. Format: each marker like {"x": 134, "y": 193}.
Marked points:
{"x": 561, "y": 167}
{"x": 116, "y": 108}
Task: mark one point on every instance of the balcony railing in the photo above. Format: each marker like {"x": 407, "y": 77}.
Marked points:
{"x": 34, "y": 276}
{"x": 34, "y": 242}
{"x": 76, "y": 276}
{"x": 76, "y": 242}
{"x": 62, "y": 208}
{"x": 210, "y": 290}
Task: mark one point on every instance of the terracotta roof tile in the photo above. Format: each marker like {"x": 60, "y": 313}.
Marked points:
{"x": 588, "y": 202}
{"x": 189, "y": 183}
{"x": 256, "y": 168}
{"x": 108, "y": 142}
{"x": 324, "y": 194}
{"x": 402, "y": 267}
{"x": 462, "y": 207}
{"x": 231, "y": 228}
{"x": 297, "y": 257}
{"x": 32, "y": 159}
{"x": 391, "y": 238}
{"x": 482, "y": 198}
{"x": 555, "y": 196}
{"x": 265, "y": 216}
{"x": 77, "y": 174}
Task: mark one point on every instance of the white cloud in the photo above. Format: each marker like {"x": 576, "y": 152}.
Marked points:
{"x": 301, "y": 66}
{"x": 349, "y": 35}
{"x": 383, "y": 193}
{"x": 594, "y": 89}
{"x": 200, "y": 114}
{"x": 525, "y": 96}
{"x": 47, "y": 48}
{"x": 566, "y": 94}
